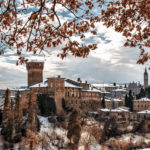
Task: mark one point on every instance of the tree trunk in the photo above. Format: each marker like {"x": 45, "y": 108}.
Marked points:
{"x": 31, "y": 145}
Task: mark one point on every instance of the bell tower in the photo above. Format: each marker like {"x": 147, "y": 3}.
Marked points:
{"x": 145, "y": 79}
{"x": 35, "y": 72}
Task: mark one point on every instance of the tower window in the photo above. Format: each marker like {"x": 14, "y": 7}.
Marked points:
{"x": 51, "y": 84}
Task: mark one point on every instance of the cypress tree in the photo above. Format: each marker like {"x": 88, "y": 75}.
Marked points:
{"x": 103, "y": 102}
{"x": 125, "y": 86}
{"x": 148, "y": 92}
{"x": 8, "y": 116}
{"x": 74, "y": 128}
{"x": 18, "y": 116}
{"x": 130, "y": 99}
{"x": 32, "y": 113}
{"x": 126, "y": 101}
{"x": 143, "y": 93}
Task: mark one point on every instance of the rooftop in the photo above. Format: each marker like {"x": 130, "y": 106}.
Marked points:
{"x": 41, "y": 84}
{"x": 68, "y": 84}
{"x": 144, "y": 112}
{"x": 114, "y": 99}
{"x": 104, "y": 85}
{"x": 119, "y": 109}
{"x": 120, "y": 90}
{"x": 143, "y": 99}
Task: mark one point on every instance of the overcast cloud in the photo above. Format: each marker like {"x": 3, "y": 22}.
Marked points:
{"x": 111, "y": 62}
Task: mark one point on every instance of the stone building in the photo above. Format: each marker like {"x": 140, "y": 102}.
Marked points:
{"x": 106, "y": 87}
{"x": 120, "y": 114}
{"x": 76, "y": 94}
{"x": 145, "y": 114}
{"x": 141, "y": 104}
{"x": 119, "y": 93}
{"x": 113, "y": 103}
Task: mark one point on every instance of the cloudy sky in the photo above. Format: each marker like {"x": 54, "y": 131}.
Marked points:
{"x": 111, "y": 62}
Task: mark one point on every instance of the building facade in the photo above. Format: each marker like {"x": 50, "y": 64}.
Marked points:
{"x": 113, "y": 103}
{"x": 141, "y": 104}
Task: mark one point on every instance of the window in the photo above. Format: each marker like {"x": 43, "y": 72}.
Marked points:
{"x": 51, "y": 85}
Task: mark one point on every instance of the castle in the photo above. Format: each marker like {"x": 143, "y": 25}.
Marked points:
{"x": 76, "y": 94}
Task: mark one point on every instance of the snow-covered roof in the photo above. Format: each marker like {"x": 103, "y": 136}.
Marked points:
{"x": 144, "y": 112}
{"x": 120, "y": 90}
{"x": 68, "y": 84}
{"x": 119, "y": 109}
{"x": 42, "y": 84}
{"x": 91, "y": 90}
{"x": 116, "y": 100}
{"x": 102, "y": 90}
{"x": 35, "y": 61}
{"x": 45, "y": 84}
{"x": 93, "y": 112}
{"x": 105, "y": 85}
{"x": 143, "y": 99}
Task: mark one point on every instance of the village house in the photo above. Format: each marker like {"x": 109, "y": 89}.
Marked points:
{"x": 141, "y": 104}
{"x": 119, "y": 93}
{"x": 113, "y": 103}
{"x": 121, "y": 114}
{"x": 145, "y": 114}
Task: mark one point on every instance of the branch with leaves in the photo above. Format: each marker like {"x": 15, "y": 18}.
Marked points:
{"x": 37, "y": 25}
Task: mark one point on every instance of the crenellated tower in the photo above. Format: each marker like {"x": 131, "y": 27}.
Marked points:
{"x": 35, "y": 72}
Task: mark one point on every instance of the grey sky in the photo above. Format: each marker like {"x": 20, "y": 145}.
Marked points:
{"x": 111, "y": 62}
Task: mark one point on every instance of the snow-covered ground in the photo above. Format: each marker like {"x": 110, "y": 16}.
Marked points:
{"x": 57, "y": 137}
{"x": 49, "y": 128}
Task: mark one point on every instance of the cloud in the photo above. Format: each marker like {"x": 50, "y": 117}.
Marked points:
{"x": 111, "y": 62}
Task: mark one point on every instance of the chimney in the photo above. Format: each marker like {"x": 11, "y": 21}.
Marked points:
{"x": 79, "y": 80}
{"x": 58, "y": 76}
{"x": 86, "y": 82}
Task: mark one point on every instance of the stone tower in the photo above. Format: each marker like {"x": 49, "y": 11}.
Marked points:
{"x": 56, "y": 90}
{"x": 145, "y": 79}
{"x": 35, "y": 72}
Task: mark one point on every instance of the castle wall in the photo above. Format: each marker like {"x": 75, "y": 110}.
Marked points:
{"x": 84, "y": 101}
